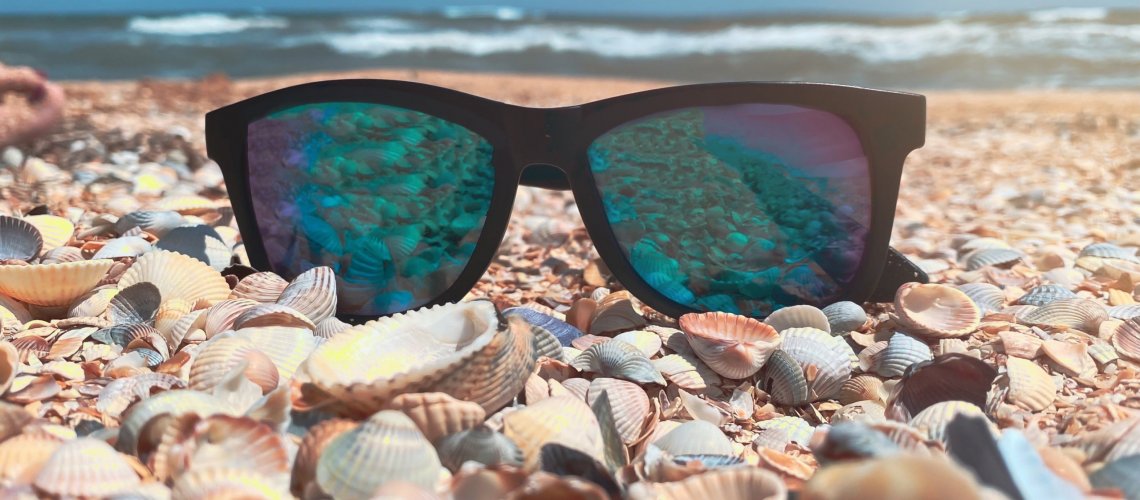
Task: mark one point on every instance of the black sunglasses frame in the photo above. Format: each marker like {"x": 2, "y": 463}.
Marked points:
{"x": 547, "y": 148}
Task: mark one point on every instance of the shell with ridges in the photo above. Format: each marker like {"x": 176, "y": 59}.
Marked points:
{"x": 563, "y": 331}
{"x": 1021, "y": 345}
{"x": 1109, "y": 251}
{"x": 895, "y": 477}
{"x": 1044, "y": 294}
{"x": 695, "y": 437}
{"x": 19, "y": 239}
{"x": 329, "y": 327}
{"x": 992, "y": 257}
{"x": 287, "y": 347}
{"x": 784, "y": 380}
{"x": 157, "y": 223}
{"x": 618, "y": 359}
{"x": 123, "y": 246}
{"x": 687, "y": 371}
{"x": 731, "y": 483}
{"x": 177, "y": 277}
{"x": 56, "y": 231}
{"x": 386, "y": 447}
{"x": 825, "y": 360}
{"x": 86, "y": 467}
{"x": 23, "y": 456}
{"x": 313, "y": 293}
{"x": 1126, "y": 339}
{"x": 225, "y": 484}
{"x": 218, "y": 357}
{"x": 1081, "y": 314}
{"x": 935, "y": 310}
{"x": 732, "y": 345}
{"x": 647, "y": 342}
{"x": 800, "y": 316}
{"x": 270, "y": 315}
{"x": 1030, "y": 386}
{"x": 176, "y": 402}
{"x": 64, "y": 254}
{"x": 1124, "y": 312}
{"x": 862, "y": 388}
{"x": 845, "y": 316}
{"x": 481, "y": 445}
{"x": 223, "y": 315}
{"x": 989, "y": 298}
{"x": 934, "y": 419}
{"x": 261, "y": 287}
{"x": 629, "y": 402}
{"x": 901, "y": 352}
{"x": 1072, "y": 358}
{"x": 137, "y": 303}
{"x": 52, "y": 284}
{"x": 798, "y": 429}
{"x": 311, "y": 448}
{"x": 436, "y": 414}
{"x": 565, "y": 420}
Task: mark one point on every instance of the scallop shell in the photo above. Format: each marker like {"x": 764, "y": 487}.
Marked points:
{"x": 989, "y": 298}
{"x": 257, "y": 315}
{"x": 629, "y": 402}
{"x": 845, "y": 316}
{"x": 647, "y": 342}
{"x": 169, "y": 312}
{"x": 1109, "y": 251}
{"x": 695, "y": 437}
{"x": 899, "y": 476}
{"x": 329, "y": 327}
{"x": 86, "y": 467}
{"x": 52, "y": 284}
{"x": 121, "y": 393}
{"x": 157, "y": 223}
{"x": 687, "y": 371}
{"x": 617, "y": 311}
{"x": 312, "y": 447}
{"x": 1044, "y": 294}
{"x": 1071, "y": 358}
{"x": 217, "y": 358}
{"x": 224, "y": 442}
{"x": 564, "y": 420}
{"x": 1081, "y": 314}
{"x": 564, "y": 462}
{"x": 123, "y": 246}
{"x": 578, "y": 387}
{"x": 386, "y": 447}
{"x": 223, "y": 316}
{"x": 935, "y": 310}
{"x": 1103, "y": 353}
{"x": 862, "y": 388}
{"x": 545, "y": 343}
{"x": 618, "y": 359}
{"x": 934, "y": 419}
{"x": 733, "y": 483}
{"x": 437, "y": 414}
{"x": 860, "y": 411}
{"x": 825, "y": 360}
{"x": 1124, "y": 312}
{"x": 200, "y": 242}
{"x": 798, "y": 429}
{"x": 226, "y": 484}
{"x": 479, "y": 444}
{"x": 137, "y": 303}
{"x": 9, "y": 365}
{"x": 56, "y": 231}
{"x": 992, "y": 257}
{"x": 177, "y": 277}
{"x": 313, "y": 293}
{"x": 60, "y": 255}
{"x": 1030, "y": 387}
{"x": 734, "y": 346}
{"x": 287, "y": 347}
{"x": 23, "y": 456}
{"x": 783, "y": 379}
{"x": 902, "y": 351}
{"x": 260, "y": 287}
{"x": 1126, "y": 339}
{"x": 1021, "y": 345}
{"x": 563, "y": 331}
{"x": 175, "y": 403}
{"x": 19, "y": 239}
{"x": 948, "y": 377}
{"x": 801, "y": 316}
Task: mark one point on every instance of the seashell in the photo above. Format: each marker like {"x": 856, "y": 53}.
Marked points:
{"x": 862, "y": 388}
{"x": 93, "y": 303}
{"x": 617, "y": 311}
{"x": 584, "y": 342}
{"x": 86, "y": 467}
{"x": 223, "y": 316}
{"x": 564, "y": 420}
{"x": 545, "y": 343}
{"x": 986, "y": 296}
{"x": 860, "y": 411}
{"x": 934, "y": 419}
{"x": 121, "y": 393}
{"x": 177, "y": 277}
{"x": 1071, "y": 358}
{"x": 1030, "y": 387}
{"x": 1021, "y": 345}
{"x": 287, "y": 347}
{"x": 23, "y": 456}
{"x": 329, "y": 327}
{"x": 311, "y": 448}
{"x": 699, "y": 409}
{"x": 783, "y": 379}
{"x": 479, "y": 444}
{"x": 157, "y": 223}
{"x": 902, "y": 351}
{"x": 200, "y": 242}
{"x": 579, "y": 387}
{"x": 937, "y": 311}
{"x": 949, "y": 377}
{"x": 1064, "y": 276}
{"x": 732, "y": 483}
{"x": 695, "y": 437}
{"x": 386, "y": 447}
{"x": 851, "y": 439}
{"x": 217, "y": 358}
{"x": 845, "y": 316}
{"x": 894, "y": 477}
{"x": 798, "y": 429}
{"x": 647, "y": 342}
{"x": 174, "y": 403}
{"x": 1064, "y": 466}
{"x": 1045, "y": 294}
{"x": 1124, "y": 312}
{"x": 137, "y": 303}
{"x": 186, "y": 205}
{"x": 221, "y": 442}
{"x": 1109, "y": 251}
{"x": 55, "y": 231}
{"x": 1126, "y": 339}
{"x": 1119, "y": 474}
{"x": 19, "y": 239}
{"x": 629, "y": 402}
{"x": 825, "y": 360}
{"x": 169, "y": 312}
{"x": 564, "y": 332}
{"x": 13, "y": 419}
{"x": 564, "y": 461}
{"x": 313, "y": 293}
{"x": 437, "y": 414}
{"x": 538, "y": 307}
{"x": 1103, "y": 353}
{"x": 225, "y": 483}
{"x": 1080, "y": 314}
{"x": 618, "y": 359}
{"x": 687, "y": 371}
{"x": 790, "y": 469}
{"x": 801, "y": 316}
{"x": 992, "y": 257}
{"x": 260, "y": 287}
{"x": 979, "y": 243}
{"x": 31, "y": 346}
{"x": 60, "y": 255}
{"x": 9, "y": 365}
{"x": 123, "y": 246}
{"x": 733, "y": 346}
{"x": 52, "y": 284}
{"x": 256, "y": 315}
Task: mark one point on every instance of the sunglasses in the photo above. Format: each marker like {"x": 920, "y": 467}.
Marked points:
{"x": 736, "y": 197}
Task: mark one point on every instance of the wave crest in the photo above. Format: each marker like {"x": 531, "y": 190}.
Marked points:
{"x": 202, "y": 24}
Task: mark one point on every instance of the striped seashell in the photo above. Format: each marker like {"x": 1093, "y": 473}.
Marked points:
{"x": 93, "y": 303}
{"x": 123, "y": 246}
{"x": 647, "y": 342}
{"x": 1103, "y": 352}
{"x": 217, "y": 358}
{"x": 564, "y": 332}
{"x": 784, "y": 380}
{"x": 121, "y": 393}
{"x": 934, "y": 419}
{"x": 313, "y": 293}
{"x": 1079, "y": 314}
{"x": 687, "y": 371}
{"x": 798, "y": 429}
{"x": 386, "y": 447}
{"x": 936, "y": 311}
{"x": 860, "y": 411}
{"x": 578, "y": 387}
{"x": 731, "y": 483}
{"x": 950, "y": 346}
{"x": 1044, "y": 294}
{"x": 618, "y": 311}
{"x": 896, "y": 476}
{"x": 311, "y": 448}
{"x": 948, "y": 377}
{"x": 52, "y": 284}
{"x": 800, "y": 316}
{"x": 19, "y": 239}
{"x": 909, "y": 439}
{"x": 287, "y": 347}
{"x": 479, "y": 444}
{"x": 545, "y": 343}
{"x": 901, "y": 352}
{"x": 157, "y": 223}
{"x": 31, "y": 346}
{"x": 584, "y": 342}
{"x": 563, "y": 461}
{"x": 23, "y": 456}
{"x": 260, "y": 287}
{"x": 1126, "y": 339}
{"x": 174, "y": 403}
{"x": 256, "y": 315}
{"x": 9, "y": 365}
{"x": 734, "y": 346}
{"x": 223, "y": 315}
{"x": 1030, "y": 387}
{"x": 436, "y": 414}
{"x": 200, "y": 242}
{"x": 226, "y": 483}
{"x": 329, "y": 327}
{"x": 1021, "y": 345}
{"x": 563, "y": 420}
{"x": 221, "y": 442}
{"x": 1109, "y": 251}
{"x": 629, "y": 402}
{"x": 177, "y": 277}
{"x": 845, "y": 316}
{"x": 695, "y": 437}
{"x": 1071, "y": 358}
{"x": 825, "y": 360}
{"x": 618, "y": 359}
{"x": 60, "y": 255}
{"x": 988, "y": 297}
{"x": 1124, "y": 312}
{"x": 86, "y": 467}
{"x": 863, "y": 387}
{"x": 137, "y": 303}
{"x": 55, "y": 231}
{"x": 992, "y": 257}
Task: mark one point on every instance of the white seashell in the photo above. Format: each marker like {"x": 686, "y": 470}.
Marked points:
{"x": 647, "y": 342}
{"x": 313, "y": 293}
{"x": 734, "y": 346}
{"x": 687, "y": 371}
{"x": 934, "y": 419}
{"x": 387, "y": 447}
{"x": 260, "y": 287}
{"x": 935, "y": 310}
{"x": 52, "y": 284}
{"x": 783, "y": 379}
{"x": 287, "y": 347}
{"x": 1044, "y": 294}
{"x": 1080, "y": 314}
{"x": 565, "y": 420}
{"x": 801, "y": 316}
{"x": 989, "y": 298}
{"x": 86, "y": 467}
{"x": 177, "y": 277}
{"x": 902, "y": 351}
{"x": 825, "y": 360}
{"x": 123, "y": 246}
{"x": 845, "y": 316}
{"x": 1126, "y": 339}
{"x": 56, "y": 231}
{"x": 619, "y": 360}
{"x": 629, "y": 402}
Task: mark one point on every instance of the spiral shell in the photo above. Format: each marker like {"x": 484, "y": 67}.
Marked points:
{"x": 386, "y": 447}
{"x": 52, "y": 284}
{"x": 936, "y": 310}
{"x": 732, "y": 345}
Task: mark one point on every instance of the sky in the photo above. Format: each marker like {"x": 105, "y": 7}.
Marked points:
{"x": 643, "y": 7}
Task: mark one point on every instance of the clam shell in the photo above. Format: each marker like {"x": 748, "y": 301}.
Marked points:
{"x": 948, "y": 377}
{"x": 1121, "y": 475}
{"x": 1030, "y": 387}
{"x": 55, "y": 231}
{"x": 563, "y": 331}
{"x": 386, "y": 447}
{"x": 734, "y": 346}
{"x": 1021, "y": 345}
{"x": 86, "y": 467}
{"x": 1071, "y": 358}
{"x": 1080, "y": 314}
{"x": 618, "y": 359}
{"x": 798, "y": 429}
{"x": 801, "y": 316}
{"x": 992, "y": 257}
{"x": 313, "y": 293}
{"x": 629, "y": 402}
{"x": 902, "y": 351}
{"x": 1126, "y": 339}
{"x": 223, "y": 316}
{"x": 862, "y": 388}
{"x": 157, "y": 223}
{"x": 1045, "y": 294}
{"x": 260, "y": 287}
{"x": 783, "y": 379}
{"x": 687, "y": 371}
{"x": 1103, "y": 353}
{"x": 825, "y": 360}
{"x": 733, "y": 483}
{"x": 617, "y": 311}
{"x": 1124, "y": 312}
{"x": 52, "y": 284}
{"x": 934, "y": 419}
{"x": 287, "y": 347}
{"x": 695, "y": 437}
{"x": 177, "y": 277}
{"x": 225, "y": 484}
{"x": 19, "y": 239}
{"x": 64, "y": 254}
{"x": 137, "y": 303}
{"x": 647, "y": 342}
{"x": 896, "y": 477}
{"x": 935, "y": 310}
{"x": 478, "y": 444}
{"x": 311, "y": 448}
{"x": 1109, "y": 251}
{"x": 217, "y": 358}
{"x": 845, "y": 316}
{"x": 255, "y": 315}
{"x": 123, "y": 246}
{"x": 23, "y": 456}
{"x": 988, "y": 297}
{"x": 564, "y": 420}
{"x": 436, "y": 414}
{"x": 494, "y": 377}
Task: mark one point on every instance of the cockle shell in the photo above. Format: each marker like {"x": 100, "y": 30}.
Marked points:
{"x": 783, "y": 379}
{"x": 1126, "y": 339}
{"x": 629, "y": 403}
{"x": 647, "y": 342}
{"x": 564, "y": 420}
{"x": 934, "y": 419}
{"x": 578, "y": 387}
{"x": 479, "y": 444}
{"x": 56, "y": 231}
{"x": 948, "y": 377}
{"x": 1021, "y": 345}
{"x": 565, "y": 461}
{"x": 545, "y": 344}
{"x": 1109, "y": 251}
{"x": 988, "y": 297}
{"x": 687, "y": 371}
{"x": 1030, "y": 387}
{"x": 894, "y": 477}
{"x": 260, "y": 287}
{"x": 695, "y": 437}
{"x": 169, "y": 312}
{"x": 121, "y": 393}
{"x": 1045, "y": 294}
{"x": 223, "y": 315}
{"x": 221, "y": 442}
{"x": 1124, "y": 312}
{"x": 19, "y": 239}
{"x": 225, "y": 483}
{"x": 386, "y": 447}
{"x": 177, "y": 277}
{"x": 1080, "y": 314}
{"x": 329, "y": 327}
{"x": 801, "y": 316}
{"x": 436, "y": 414}
{"x": 153, "y": 222}
{"x": 845, "y": 316}
{"x": 176, "y": 402}
{"x": 253, "y": 314}
{"x": 861, "y": 411}
{"x": 563, "y": 331}
{"x": 616, "y": 311}
{"x": 52, "y": 284}
{"x": 825, "y": 360}
{"x": 312, "y": 447}
{"x": 64, "y": 254}
{"x": 902, "y": 351}
{"x": 619, "y": 360}
{"x": 123, "y": 246}
{"x": 313, "y": 293}
{"x": 1072, "y": 358}
{"x": 218, "y": 357}
{"x": 983, "y": 257}
{"x": 862, "y": 388}
{"x": 287, "y": 347}
{"x": 86, "y": 467}
{"x": 134, "y": 304}
{"x": 734, "y": 346}
{"x": 200, "y": 242}
{"x": 731, "y": 483}
{"x": 935, "y": 310}
{"x": 23, "y": 456}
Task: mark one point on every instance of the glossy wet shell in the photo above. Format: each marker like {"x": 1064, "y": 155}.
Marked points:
{"x": 565, "y": 420}
{"x": 313, "y": 293}
{"x": 1030, "y": 386}
{"x": 934, "y": 419}
{"x": 629, "y": 403}
{"x": 936, "y": 311}
{"x": 481, "y": 445}
{"x": 845, "y": 316}
{"x": 52, "y": 284}
{"x": 825, "y": 360}
{"x": 695, "y": 437}
{"x": 386, "y": 447}
{"x": 1126, "y": 339}
{"x": 1080, "y": 314}
{"x": 733, "y": 483}
{"x": 437, "y": 415}
{"x": 734, "y": 346}
{"x": 86, "y": 467}
{"x": 902, "y": 351}
{"x": 618, "y": 359}
{"x": 800, "y": 316}
{"x": 177, "y": 277}
{"x": 19, "y": 239}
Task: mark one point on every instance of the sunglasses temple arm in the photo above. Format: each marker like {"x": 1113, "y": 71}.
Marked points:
{"x": 897, "y": 271}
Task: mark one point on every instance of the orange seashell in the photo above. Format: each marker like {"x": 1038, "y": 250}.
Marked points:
{"x": 734, "y": 346}
{"x": 1073, "y": 359}
{"x": 23, "y": 456}
{"x": 86, "y": 467}
{"x": 1021, "y": 345}
{"x": 862, "y": 388}
{"x": 52, "y": 284}
{"x": 1030, "y": 386}
{"x": 564, "y": 420}
{"x": 936, "y": 310}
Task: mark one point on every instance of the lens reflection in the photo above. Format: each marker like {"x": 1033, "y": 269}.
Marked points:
{"x": 392, "y": 199}
{"x": 743, "y": 208}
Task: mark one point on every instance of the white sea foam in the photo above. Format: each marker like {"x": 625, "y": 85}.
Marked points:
{"x": 500, "y": 12}
{"x": 1069, "y": 14}
{"x": 202, "y": 24}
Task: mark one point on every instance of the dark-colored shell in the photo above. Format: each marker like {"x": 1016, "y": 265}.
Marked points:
{"x": 479, "y": 444}
{"x": 946, "y": 378}
{"x": 847, "y": 440}
{"x": 1044, "y": 294}
{"x": 192, "y": 241}
{"x": 566, "y": 461}
{"x": 122, "y": 335}
{"x": 563, "y": 331}
{"x": 19, "y": 239}
{"x": 784, "y": 380}
{"x": 157, "y": 223}
{"x": 135, "y": 304}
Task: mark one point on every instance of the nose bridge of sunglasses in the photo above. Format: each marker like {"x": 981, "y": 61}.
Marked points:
{"x": 541, "y": 143}
{"x": 545, "y": 176}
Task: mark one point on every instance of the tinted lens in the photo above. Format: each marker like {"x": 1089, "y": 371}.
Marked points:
{"x": 743, "y": 208}
{"x": 392, "y": 199}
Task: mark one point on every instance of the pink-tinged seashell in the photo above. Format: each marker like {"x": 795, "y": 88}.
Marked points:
{"x": 791, "y": 470}
{"x": 286, "y": 347}
{"x": 579, "y": 387}
{"x": 585, "y": 341}
{"x": 175, "y": 403}
{"x": 687, "y": 371}
{"x": 169, "y": 312}
{"x": 1030, "y": 387}
{"x": 221, "y": 316}
{"x": 86, "y": 467}
{"x": 983, "y": 257}
{"x": 934, "y": 419}
{"x": 801, "y": 316}
{"x": 1126, "y": 339}
{"x": 51, "y": 284}
{"x": 695, "y": 437}
{"x": 13, "y": 418}
{"x": 311, "y": 448}
{"x": 272, "y": 315}
{"x": 260, "y": 287}
{"x": 56, "y": 231}
{"x": 31, "y": 346}
{"x": 225, "y": 484}
{"x": 23, "y": 456}
{"x": 436, "y": 414}
{"x": 618, "y": 359}
{"x": 647, "y": 342}
{"x": 177, "y": 277}
{"x": 732, "y": 483}
{"x": 617, "y": 311}
{"x": 223, "y": 442}
{"x": 19, "y": 239}
{"x": 935, "y": 310}
{"x": 185, "y": 205}
{"x": 1081, "y": 314}
{"x": 63, "y": 254}
{"x": 629, "y": 403}
{"x": 1020, "y": 345}
{"x": 733, "y": 346}
{"x": 1071, "y": 358}
{"x": 951, "y": 346}
{"x": 564, "y": 420}
{"x": 988, "y": 297}
{"x": 121, "y": 393}
{"x": 825, "y": 360}
{"x": 896, "y": 477}
{"x": 313, "y": 293}
{"x": 386, "y": 447}
{"x": 219, "y": 357}
{"x": 862, "y": 388}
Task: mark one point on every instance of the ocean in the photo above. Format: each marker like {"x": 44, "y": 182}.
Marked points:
{"x": 1035, "y": 49}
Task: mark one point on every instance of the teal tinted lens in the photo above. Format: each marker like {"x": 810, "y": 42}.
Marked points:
{"x": 394, "y": 200}
{"x": 742, "y": 208}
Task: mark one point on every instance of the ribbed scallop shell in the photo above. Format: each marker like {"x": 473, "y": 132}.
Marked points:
{"x": 948, "y": 377}
{"x": 902, "y": 351}
{"x": 935, "y": 310}
{"x": 845, "y": 316}
{"x": 564, "y": 420}
{"x": 52, "y": 284}
{"x": 629, "y": 402}
{"x": 287, "y": 347}
{"x": 563, "y": 331}
{"x": 64, "y": 254}
{"x": 386, "y": 447}
{"x": 123, "y": 246}
{"x": 217, "y": 358}
{"x": 1081, "y": 314}
{"x": 260, "y": 287}
{"x": 687, "y": 371}
{"x": 310, "y": 450}
{"x": 647, "y": 342}
{"x": 1121, "y": 475}
{"x": 223, "y": 315}
{"x": 545, "y": 343}
{"x": 19, "y": 239}
{"x": 825, "y": 360}
{"x": 862, "y": 388}
{"x": 479, "y": 444}
{"x": 329, "y": 327}
{"x": 134, "y": 304}
{"x": 798, "y": 429}
{"x": 1126, "y": 339}
{"x": 498, "y": 373}
{"x": 934, "y": 419}
{"x": 900, "y": 476}
{"x": 1124, "y": 312}
{"x": 157, "y": 223}
{"x": 1044, "y": 294}
{"x": 732, "y": 345}
{"x": 1071, "y": 358}
{"x": 801, "y": 316}
{"x": 120, "y": 393}
{"x": 175, "y": 403}
{"x": 271, "y": 315}
{"x": 436, "y": 414}
{"x": 86, "y": 467}
{"x": 618, "y": 359}
{"x": 731, "y": 483}
{"x": 177, "y": 277}
{"x": 23, "y": 456}
{"x": 989, "y": 298}
{"x": 200, "y": 242}
{"x": 313, "y": 293}
{"x": 55, "y": 231}
{"x": 616, "y": 312}
{"x": 1030, "y": 386}
{"x": 695, "y": 437}
{"x": 1103, "y": 353}
{"x": 226, "y": 484}
{"x": 860, "y": 411}
{"x": 1109, "y": 251}
{"x": 783, "y": 379}
{"x": 992, "y": 257}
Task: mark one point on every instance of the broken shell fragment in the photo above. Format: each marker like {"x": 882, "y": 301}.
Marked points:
{"x": 937, "y": 311}
{"x": 1030, "y": 386}
{"x": 734, "y": 346}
